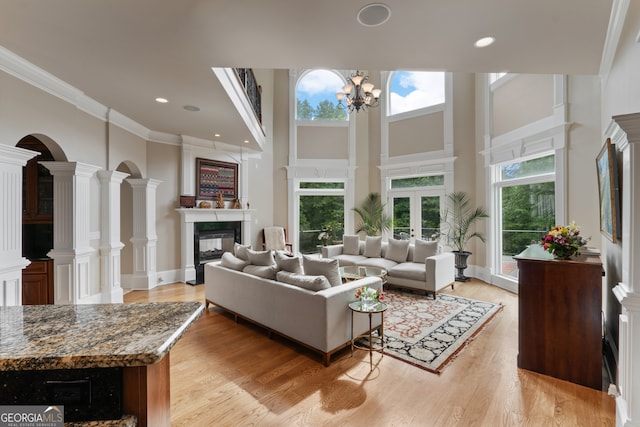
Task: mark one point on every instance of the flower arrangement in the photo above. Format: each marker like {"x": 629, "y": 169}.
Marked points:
{"x": 564, "y": 241}
{"x": 326, "y": 234}
{"x": 367, "y": 293}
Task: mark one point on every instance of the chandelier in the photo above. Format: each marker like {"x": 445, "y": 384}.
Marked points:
{"x": 359, "y": 93}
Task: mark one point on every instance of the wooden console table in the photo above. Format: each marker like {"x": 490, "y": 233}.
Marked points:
{"x": 560, "y": 318}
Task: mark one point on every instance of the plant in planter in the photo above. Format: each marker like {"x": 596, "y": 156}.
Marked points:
{"x": 456, "y": 224}
{"x": 373, "y": 219}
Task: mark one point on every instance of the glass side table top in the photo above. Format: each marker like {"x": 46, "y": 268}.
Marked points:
{"x": 352, "y": 272}
{"x": 376, "y": 307}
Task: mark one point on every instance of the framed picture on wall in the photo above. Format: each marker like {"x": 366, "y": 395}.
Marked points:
{"x": 608, "y": 191}
{"x": 213, "y": 177}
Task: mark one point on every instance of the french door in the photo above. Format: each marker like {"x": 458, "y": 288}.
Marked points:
{"x": 416, "y": 213}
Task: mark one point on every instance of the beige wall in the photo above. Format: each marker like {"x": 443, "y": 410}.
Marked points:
{"x": 26, "y": 110}
{"x": 416, "y": 135}
{"x": 521, "y": 100}
{"x": 584, "y": 143}
{"x": 280, "y": 147}
{"x": 469, "y": 173}
{"x": 164, "y": 165}
{"x": 322, "y": 142}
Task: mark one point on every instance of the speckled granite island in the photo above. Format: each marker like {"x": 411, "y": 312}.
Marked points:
{"x": 87, "y": 354}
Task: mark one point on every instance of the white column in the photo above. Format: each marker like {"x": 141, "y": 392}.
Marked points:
{"x": 110, "y": 244}
{"x": 71, "y": 251}
{"x": 144, "y": 233}
{"x": 628, "y": 290}
{"x": 12, "y": 159}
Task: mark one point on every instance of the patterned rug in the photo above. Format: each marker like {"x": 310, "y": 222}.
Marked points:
{"x": 428, "y": 333}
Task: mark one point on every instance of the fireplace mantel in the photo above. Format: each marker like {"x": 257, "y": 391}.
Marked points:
{"x": 189, "y": 216}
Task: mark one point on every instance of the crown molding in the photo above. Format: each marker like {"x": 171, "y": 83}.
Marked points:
{"x": 29, "y": 73}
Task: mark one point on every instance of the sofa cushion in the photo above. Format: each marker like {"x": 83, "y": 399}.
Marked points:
{"x": 265, "y": 271}
{"x": 327, "y": 267}
{"x": 344, "y": 260}
{"x": 312, "y": 283}
{"x": 383, "y": 263}
{"x": 424, "y": 249}
{"x": 233, "y": 262}
{"x": 260, "y": 257}
{"x": 292, "y": 264}
{"x": 409, "y": 270}
{"x": 241, "y": 251}
{"x": 351, "y": 244}
{"x": 397, "y": 250}
{"x": 373, "y": 246}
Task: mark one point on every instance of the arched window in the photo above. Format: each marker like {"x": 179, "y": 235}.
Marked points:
{"x": 414, "y": 90}
{"x": 316, "y": 96}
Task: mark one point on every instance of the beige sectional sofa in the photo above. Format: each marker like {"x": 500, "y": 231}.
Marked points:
{"x": 304, "y": 310}
{"x": 420, "y": 265}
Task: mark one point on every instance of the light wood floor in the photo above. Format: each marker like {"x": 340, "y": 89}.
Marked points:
{"x": 231, "y": 374}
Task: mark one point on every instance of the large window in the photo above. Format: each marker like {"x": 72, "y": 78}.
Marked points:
{"x": 321, "y": 210}
{"x": 526, "y": 192}
{"x": 316, "y": 96}
{"x": 414, "y": 90}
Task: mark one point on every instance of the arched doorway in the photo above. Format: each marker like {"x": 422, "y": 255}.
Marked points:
{"x": 37, "y": 224}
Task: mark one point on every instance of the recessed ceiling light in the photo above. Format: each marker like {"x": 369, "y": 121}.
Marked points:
{"x": 485, "y": 41}
{"x": 246, "y": 141}
{"x": 191, "y": 108}
{"x": 217, "y": 135}
{"x": 162, "y": 100}
{"x": 374, "y": 14}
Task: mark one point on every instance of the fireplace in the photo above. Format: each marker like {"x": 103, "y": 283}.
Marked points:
{"x": 210, "y": 241}
{"x": 196, "y": 220}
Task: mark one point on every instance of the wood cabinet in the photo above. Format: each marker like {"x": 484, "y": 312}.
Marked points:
{"x": 37, "y": 283}
{"x": 560, "y": 318}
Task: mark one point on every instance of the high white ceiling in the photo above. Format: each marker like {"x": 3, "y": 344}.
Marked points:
{"x": 125, "y": 53}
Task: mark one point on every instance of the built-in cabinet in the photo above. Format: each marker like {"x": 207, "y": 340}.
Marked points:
{"x": 37, "y": 282}
{"x": 560, "y": 318}
{"x": 37, "y": 225}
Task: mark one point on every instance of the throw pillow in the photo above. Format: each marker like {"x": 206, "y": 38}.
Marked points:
{"x": 312, "y": 283}
{"x": 260, "y": 257}
{"x": 241, "y": 251}
{"x": 373, "y": 246}
{"x": 264, "y": 271}
{"x": 326, "y": 267}
{"x": 231, "y": 261}
{"x": 290, "y": 264}
{"x": 351, "y": 244}
{"x": 397, "y": 250}
{"x": 424, "y": 249}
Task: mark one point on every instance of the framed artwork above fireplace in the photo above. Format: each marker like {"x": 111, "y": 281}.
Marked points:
{"x": 213, "y": 177}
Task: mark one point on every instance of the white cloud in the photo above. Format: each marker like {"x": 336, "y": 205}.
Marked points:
{"x": 428, "y": 90}
{"x": 319, "y": 81}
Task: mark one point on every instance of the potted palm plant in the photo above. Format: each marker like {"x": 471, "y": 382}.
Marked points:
{"x": 456, "y": 225}
{"x": 373, "y": 219}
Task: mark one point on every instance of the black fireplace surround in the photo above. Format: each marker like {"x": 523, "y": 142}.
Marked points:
{"x": 210, "y": 241}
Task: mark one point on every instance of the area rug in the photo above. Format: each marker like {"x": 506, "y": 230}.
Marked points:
{"x": 428, "y": 333}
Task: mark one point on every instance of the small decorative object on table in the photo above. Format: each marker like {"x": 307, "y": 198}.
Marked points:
{"x": 220, "y": 201}
{"x": 369, "y": 297}
{"x": 564, "y": 241}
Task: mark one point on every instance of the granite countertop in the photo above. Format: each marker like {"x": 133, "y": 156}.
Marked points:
{"x": 39, "y": 337}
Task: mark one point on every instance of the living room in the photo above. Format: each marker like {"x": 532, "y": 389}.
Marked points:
{"x": 76, "y": 128}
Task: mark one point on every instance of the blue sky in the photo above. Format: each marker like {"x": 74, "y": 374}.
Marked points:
{"x": 409, "y": 90}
